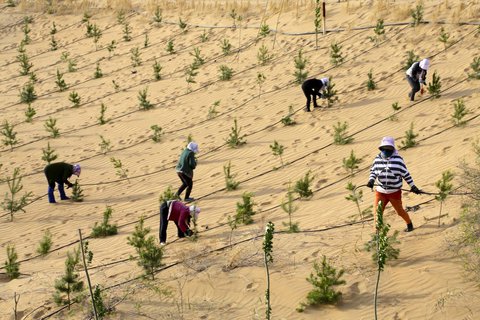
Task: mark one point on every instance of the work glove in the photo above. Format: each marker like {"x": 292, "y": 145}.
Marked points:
{"x": 189, "y": 233}
{"x": 370, "y": 184}
{"x": 415, "y": 190}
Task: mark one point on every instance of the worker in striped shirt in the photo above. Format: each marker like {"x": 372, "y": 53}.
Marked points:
{"x": 388, "y": 169}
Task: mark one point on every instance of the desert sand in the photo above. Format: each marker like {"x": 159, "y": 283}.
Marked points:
{"x": 208, "y": 279}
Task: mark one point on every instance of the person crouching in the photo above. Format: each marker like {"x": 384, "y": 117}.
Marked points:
{"x": 179, "y": 213}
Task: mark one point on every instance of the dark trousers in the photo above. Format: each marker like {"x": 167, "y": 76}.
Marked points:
{"x": 164, "y": 224}
{"x": 415, "y": 85}
{"x": 187, "y": 183}
{"x": 309, "y": 94}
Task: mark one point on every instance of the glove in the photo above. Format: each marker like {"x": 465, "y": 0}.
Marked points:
{"x": 370, "y": 184}
{"x": 415, "y": 190}
{"x": 189, "y": 233}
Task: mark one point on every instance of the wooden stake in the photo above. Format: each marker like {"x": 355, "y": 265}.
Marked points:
{"x": 88, "y": 277}
{"x": 324, "y": 11}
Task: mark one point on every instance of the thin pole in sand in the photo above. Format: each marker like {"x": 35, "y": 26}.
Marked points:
{"x": 88, "y": 277}
{"x": 324, "y": 12}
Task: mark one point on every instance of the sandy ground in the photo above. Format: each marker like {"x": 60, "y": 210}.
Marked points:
{"x": 207, "y": 279}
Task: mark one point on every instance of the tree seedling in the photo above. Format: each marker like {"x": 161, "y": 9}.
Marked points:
{"x": 168, "y": 194}
{"x": 263, "y": 55}
{"x": 121, "y": 172}
{"x": 26, "y": 31}
{"x": 98, "y": 72}
{"x": 69, "y": 286}
{"x": 417, "y": 15}
{"x": 411, "y": 58}
{"x": 182, "y": 25}
{"x": 146, "y": 40}
{"x": 77, "y": 192}
{"x": 289, "y": 207}
{"x": 25, "y": 64}
{"x": 300, "y": 65}
{"x": 111, "y": 48}
{"x": 170, "y": 49}
{"x": 45, "y": 243}
{"x": 104, "y": 145}
{"x": 287, "y": 120}
{"x": 444, "y": 186}
{"x": 267, "y": 259}
{"x": 104, "y": 229}
{"x": 459, "y": 112}
{"x": 336, "y": 54}
{"x": 144, "y": 103}
{"x": 260, "y": 80}
{"x": 379, "y": 31}
{"x": 157, "y": 68}
{"x": 53, "y": 44}
{"x": 340, "y": 135}
{"x": 157, "y": 133}
{"x": 302, "y": 186}
{"x": 443, "y": 38}
{"x": 127, "y": 32}
{"x": 61, "y": 84}
{"x": 9, "y": 134}
{"x": 330, "y": 93}
{"x": 245, "y": 209}
{"x": 371, "y": 85}
{"x": 351, "y": 163}
{"x": 204, "y": 36}
{"x": 101, "y": 309}
{"x": 235, "y": 140}
{"x": 190, "y": 73}
{"x": 264, "y": 30}
{"x": 29, "y": 113}
{"x": 198, "y": 60}
{"x": 135, "y": 57}
{"x": 28, "y": 94}
{"x": 317, "y": 22}
{"x": 157, "y": 16}
{"x": 96, "y": 35}
{"x": 357, "y": 197}
{"x": 212, "y": 111}
{"x": 49, "y": 154}
{"x": 230, "y": 183}
{"x": 409, "y": 140}
{"x": 12, "y": 266}
{"x": 277, "y": 150}
{"x": 72, "y": 65}
{"x": 225, "y": 73}
{"x": 11, "y": 203}
{"x": 101, "y": 118}
{"x": 53, "y": 28}
{"x": 74, "y": 98}
{"x": 395, "y": 108}
{"x": 475, "y": 65}
{"x": 226, "y": 47}
{"x": 51, "y": 127}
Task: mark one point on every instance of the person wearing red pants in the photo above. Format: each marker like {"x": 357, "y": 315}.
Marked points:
{"x": 389, "y": 169}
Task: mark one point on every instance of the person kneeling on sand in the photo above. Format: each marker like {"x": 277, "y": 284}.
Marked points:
{"x": 179, "y": 213}
{"x": 59, "y": 173}
{"x": 311, "y": 88}
{"x": 389, "y": 169}
{"x": 416, "y": 75}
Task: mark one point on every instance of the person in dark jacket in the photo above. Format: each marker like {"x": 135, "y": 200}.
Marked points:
{"x": 311, "y": 88}
{"x": 389, "y": 169}
{"x": 416, "y": 75}
{"x": 179, "y": 213}
{"x": 186, "y": 164}
{"x": 59, "y": 173}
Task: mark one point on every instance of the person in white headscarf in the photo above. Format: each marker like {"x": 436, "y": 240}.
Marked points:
{"x": 416, "y": 75}
{"x": 186, "y": 164}
{"x": 311, "y": 88}
{"x": 180, "y": 214}
{"x": 59, "y": 173}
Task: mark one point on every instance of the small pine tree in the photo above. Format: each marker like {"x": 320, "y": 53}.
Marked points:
{"x": 86, "y": 17}
{"x": 277, "y": 150}
{"x": 245, "y": 209}
{"x": 98, "y": 72}
{"x": 96, "y": 34}
{"x": 263, "y": 55}
{"x": 417, "y": 15}
{"x": 104, "y": 229}
{"x": 77, "y": 192}
{"x": 444, "y": 186}
{"x": 11, "y": 204}
{"x": 11, "y": 3}
{"x": 198, "y": 59}
{"x": 72, "y": 65}
{"x": 51, "y": 127}
{"x": 135, "y": 57}
{"x": 330, "y": 93}
{"x": 212, "y": 112}
{"x": 12, "y": 266}
{"x": 27, "y": 94}
{"x": 287, "y": 120}
{"x": 460, "y": 111}
{"x": 25, "y": 64}
{"x": 111, "y": 48}
{"x": 204, "y": 36}
{"x": 379, "y": 28}
{"x": 9, "y": 135}
{"x": 61, "y": 84}
{"x": 371, "y": 85}
{"x": 127, "y": 31}
{"x": 89, "y": 32}
{"x": 157, "y": 133}
{"x": 267, "y": 247}
{"x": 69, "y": 286}
{"x": 351, "y": 163}
{"x": 116, "y": 86}
{"x": 226, "y": 47}
{"x": 26, "y": 31}
{"x": 101, "y": 118}
{"x": 29, "y": 113}
{"x": 157, "y": 16}
{"x": 235, "y": 140}
{"x": 45, "y": 243}
{"x": 302, "y": 186}
{"x": 122, "y": 173}
{"x": 335, "y": 54}
{"x": 233, "y": 15}
{"x": 33, "y": 77}
{"x": 340, "y": 135}
{"x": 443, "y": 38}
{"x": 121, "y": 19}
{"x": 49, "y": 154}
{"x": 104, "y": 145}
{"x": 168, "y": 194}
{"x": 190, "y": 74}
{"x": 170, "y": 49}
{"x": 144, "y": 103}
{"x": 300, "y": 66}
{"x": 260, "y": 80}
{"x": 230, "y": 183}
{"x": 289, "y": 207}
{"x": 100, "y": 307}
{"x": 74, "y": 98}
{"x": 53, "y": 44}
{"x": 356, "y": 197}
{"x": 53, "y": 29}
{"x": 157, "y": 68}
{"x": 182, "y": 25}
{"x": 264, "y": 30}
{"x": 409, "y": 141}
{"x": 225, "y": 73}
{"x": 475, "y": 65}
{"x": 411, "y": 58}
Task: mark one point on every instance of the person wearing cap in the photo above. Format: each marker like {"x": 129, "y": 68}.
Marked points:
{"x": 416, "y": 75}
{"x": 388, "y": 169}
{"x": 59, "y": 173}
{"x": 311, "y": 88}
{"x": 179, "y": 213}
{"x": 186, "y": 164}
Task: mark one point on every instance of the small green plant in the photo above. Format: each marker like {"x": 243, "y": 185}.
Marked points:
{"x": 26, "y": 33}
{"x": 411, "y": 58}
{"x": 96, "y": 35}
{"x": 127, "y": 32}
{"x": 302, "y": 186}
{"x": 371, "y": 85}
{"x": 101, "y": 118}
{"x": 157, "y": 133}
{"x": 135, "y": 57}
{"x": 264, "y": 30}
{"x": 25, "y": 64}
{"x": 260, "y": 80}
{"x": 318, "y": 21}
{"x": 111, "y": 48}
{"x": 121, "y": 19}
{"x": 198, "y": 59}
{"x": 33, "y": 77}
{"x": 475, "y": 65}
{"x": 157, "y": 68}
{"x": 287, "y": 120}
{"x": 53, "y": 44}
{"x": 104, "y": 145}
{"x": 233, "y": 15}
{"x": 330, "y": 93}
{"x": 30, "y": 113}
{"x": 204, "y": 36}
{"x": 443, "y": 38}
{"x": 157, "y": 16}
{"x": 48, "y": 154}
{"x": 98, "y": 72}
{"x": 226, "y": 47}
{"x": 277, "y": 150}
{"x": 351, "y": 163}
{"x": 357, "y": 197}
{"x": 289, "y": 207}
{"x": 69, "y": 286}
{"x": 444, "y": 186}
{"x": 28, "y": 94}
{"x": 267, "y": 259}
{"x": 9, "y": 134}
{"x": 100, "y": 307}
{"x": 170, "y": 49}
{"x": 89, "y": 32}
{"x": 190, "y": 73}
{"x": 225, "y": 73}
{"x": 379, "y": 31}
{"x": 417, "y": 15}
{"x": 11, "y": 3}
{"x": 121, "y": 172}
{"x": 77, "y": 192}
{"x": 12, "y": 266}
{"x": 11, "y": 204}
{"x": 395, "y": 108}
{"x": 86, "y": 17}
{"x": 144, "y": 103}
{"x": 53, "y": 28}
{"x": 459, "y": 112}
{"x": 51, "y": 127}
{"x": 45, "y": 243}
{"x": 116, "y": 86}
{"x": 323, "y": 279}
{"x": 168, "y": 194}
{"x": 104, "y": 229}
{"x": 263, "y": 55}
{"x": 212, "y": 111}
{"x": 72, "y": 65}
{"x": 340, "y": 135}
{"x": 336, "y": 54}
{"x": 182, "y": 25}
{"x": 146, "y": 40}
{"x": 61, "y": 84}
{"x": 245, "y": 209}
{"x": 300, "y": 65}
{"x": 74, "y": 98}
{"x": 235, "y": 140}
{"x": 409, "y": 140}
{"x": 232, "y": 223}
{"x": 230, "y": 183}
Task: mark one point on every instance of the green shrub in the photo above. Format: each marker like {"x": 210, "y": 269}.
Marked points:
{"x": 48, "y": 154}
{"x": 302, "y": 186}
{"x": 104, "y": 229}
{"x": 27, "y": 94}
{"x": 225, "y": 73}
{"x": 12, "y": 266}
{"x": 68, "y": 287}
{"x": 230, "y": 183}
{"x": 409, "y": 140}
{"x": 45, "y": 243}
{"x": 77, "y": 192}
{"x": 300, "y": 65}
{"x": 460, "y": 111}
{"x": 9, "y": 134}
{"x": 435, "y": 86}
{"x": 235, "y": 140}
{"x": 245, "y": 209}
{"x": 340, "y": 135}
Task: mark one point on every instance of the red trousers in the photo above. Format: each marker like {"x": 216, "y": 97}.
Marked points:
{"x": 395, "y": 199}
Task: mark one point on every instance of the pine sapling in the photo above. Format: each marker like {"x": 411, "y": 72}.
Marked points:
{"x": 444, "y": 186}
{"x": 11, "y": 3}
{"x": 49, "y": 154}
{"x": 53, "y": 44}
{"x": 32, "y": 77}
{"x": 235, "y": 140}
{"x": 77, "y": 192}
{"x": 379, "y": 31}
{"x": 98, "y": 72}
{"x": 111, "y": 48}
{"x": 25, "y": 64}
{"x": 330, "y": 93}
{"x": 170, "y": 49}
{"x": 157, "y": 133}
{"x": 135, "y": 57}
{"x": 267, "y": 259}
{"x": 28, "y": 94}
{"x": 212, "y": 111}
{"x": 277, "y": 150}
{"x": 100, "y": 307}
{"x": 190, "y": 74}
{"x": 116, "y": 86}
{"x": 121, "y": 172}
{"x": 357, "y": 197}
{"x": 351, "y": 163}
{"x": 204, "y": 36}
{"x": 157, "y": 68}
{"x": 144, "y": 103}
{"x": 127, "y": 32}
{"x": 9, "y": 134}
{"x": 168, "y": 194}
{"x": 371, "y": 85}
{"x": 89, "y": 27}
{"x": 417, "y": 15}
{"x": 395, "y": 108}
{"x": 69, "y": 286}
{"x": 11, "y": 204}
{"x": 289, "y": 207}
{"x": 12, "y": 266}
{"x": 411, "y": 58}
{"x": 233, "y": 15}
{"x": 336, "y": 54}
{"x": 74, "y": 98}
{"x": 121, "y": 19}
{"x": 225, "y": 73}
{"x": 263, "y": 55}
{"x": 198, "y": 59}
{"x": 459, "y": 112}
{"x": 300, "y": 66}
{"x": 29, "y": 113}
{"x": 245, "y": 209}
{"x": 443, "y": 38}
{"x": 51, "y": 127}
{"x": 26, "y": 33}
{"x": 45, "y": 243}
{"x": 232, "y": 223}
{"x": 104, "y": 229}
{"x": 230, "y": 183}
{"x": 226, "y": 47}
{"x": 182, "y": 25}
{"x": 157, "y": 16}
{"x": 409, "y": 141}
{"x": 86, "y": 17}
{"x": 53, "y": 28}
{"x": 340, "y": 135}
{"x": 475, "y": 65}
{"x": 101, "y": 118}
{"x": 61, "y": 84}
{"x": 264, "y": 30}
{"x": 72, "y": 65}
{"x": 302, "y": 186}
{"x": 287, "y": 120}
{"x": 260, "y": 81}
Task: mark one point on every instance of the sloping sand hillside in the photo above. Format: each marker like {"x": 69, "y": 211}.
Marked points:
{"x": 209, "y": 279}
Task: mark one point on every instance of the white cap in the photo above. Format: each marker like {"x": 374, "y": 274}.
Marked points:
{"x": 325, "y": 81}
{"x": 193, "y": 146}
{"x": 194, "y": 210}
{"x": 387, "y": 142}
{"x": 424, "y": 64}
